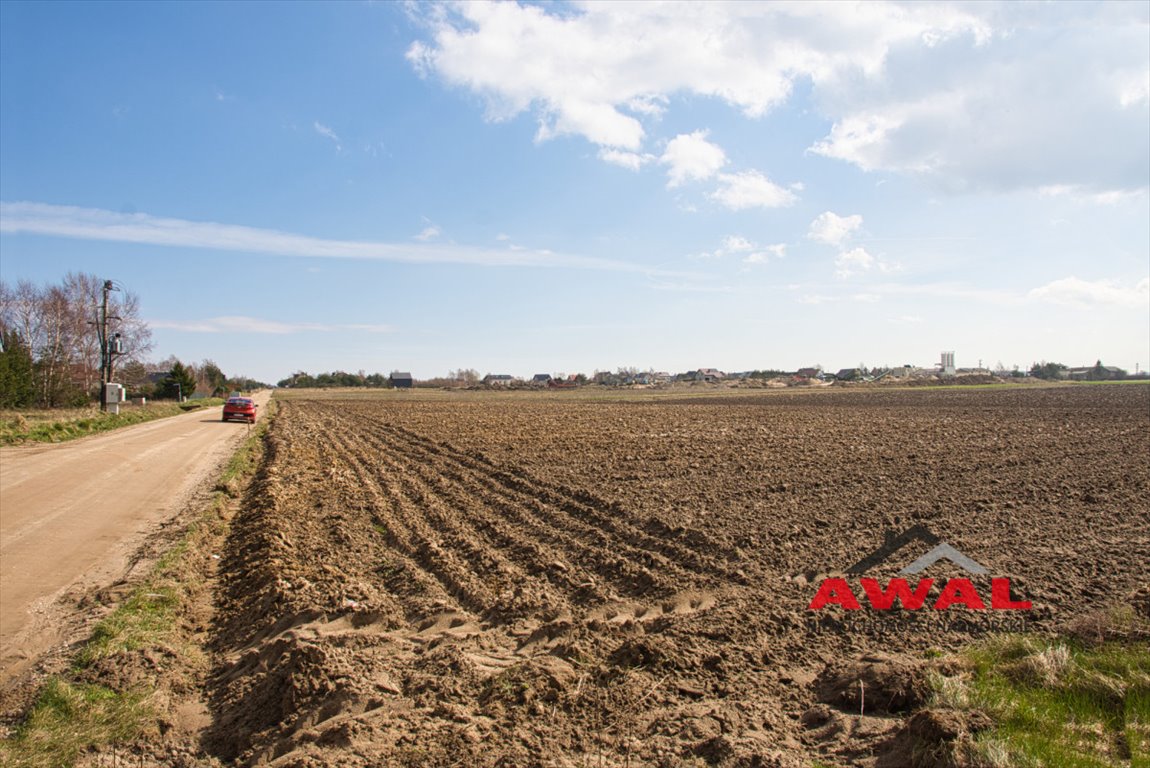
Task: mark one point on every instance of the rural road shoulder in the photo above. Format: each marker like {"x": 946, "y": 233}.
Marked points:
{"x": 72, "y": 514}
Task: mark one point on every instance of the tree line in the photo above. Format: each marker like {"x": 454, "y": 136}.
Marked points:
{"x": 172, "y": 378}
{"x": 304, "y": 380}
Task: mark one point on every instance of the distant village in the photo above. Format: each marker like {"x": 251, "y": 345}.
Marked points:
{"x": 942, "y": 372}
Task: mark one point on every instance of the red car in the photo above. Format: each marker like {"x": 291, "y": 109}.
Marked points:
{"x": 243, "y": 408}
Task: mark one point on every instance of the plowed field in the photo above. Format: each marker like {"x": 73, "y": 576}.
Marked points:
{"x": 543, "y": 580}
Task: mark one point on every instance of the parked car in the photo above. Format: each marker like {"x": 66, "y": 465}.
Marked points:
{"x": 243, "y": 408}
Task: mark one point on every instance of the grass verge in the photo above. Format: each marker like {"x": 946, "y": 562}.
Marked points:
{"x": 1078, "y": 700}
{"x": 112, "y": 694}
{"x": 58, "y": 426}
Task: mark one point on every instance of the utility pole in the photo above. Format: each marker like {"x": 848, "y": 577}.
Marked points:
{"x": 102, "y": 335}
{"x": 109, "y": 348}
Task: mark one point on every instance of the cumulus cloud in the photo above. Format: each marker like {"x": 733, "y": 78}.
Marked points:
{"x": 832, "y": 229}
{"x": 1073, "y": 291}
{"x": 632, "y": 161}
{"x": 690, "y": 157}
{"x": 853, "y": 262}
{"x": 750, "y": 189}
{"x": 768, "y": 252}
{"x": 594, "y": 67}
{"x": 1023, "y": 110}
{"x": 749, "y": 251}
{"x": 977, "y": 96}
{"x": 737, "y": 244}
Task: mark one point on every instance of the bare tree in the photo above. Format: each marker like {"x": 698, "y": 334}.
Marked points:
{"x": 57, "y": 322}
{"x": 466, "y": 376}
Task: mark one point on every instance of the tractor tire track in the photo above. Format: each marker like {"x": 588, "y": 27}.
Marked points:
{"x": 591, "y": 521}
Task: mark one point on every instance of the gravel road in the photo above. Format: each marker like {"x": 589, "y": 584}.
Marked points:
{"x": 72, "y": 514}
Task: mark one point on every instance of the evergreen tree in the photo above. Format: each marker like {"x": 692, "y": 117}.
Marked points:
{"x": 1045, "y": 370}
{"x": 17, "y": 380}
{"x": 179, "y": 382}
{"x": 214, "y": 380}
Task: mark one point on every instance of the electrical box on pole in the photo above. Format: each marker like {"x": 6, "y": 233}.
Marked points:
{"x": 113, "y": 396}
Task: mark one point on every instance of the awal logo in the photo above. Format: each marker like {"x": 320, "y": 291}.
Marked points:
{"x": 957, "y": 591}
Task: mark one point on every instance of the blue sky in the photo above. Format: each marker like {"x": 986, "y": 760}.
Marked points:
{"x": 565, "y": 187}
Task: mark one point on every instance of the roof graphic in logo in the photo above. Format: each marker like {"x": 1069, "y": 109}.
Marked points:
{"x": 941, "y": 551}
{"x": 945, "y": 552}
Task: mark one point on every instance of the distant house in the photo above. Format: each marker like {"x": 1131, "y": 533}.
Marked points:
{"x": 401, "y": 380}
{"x": 849, "y": 374}
{"x": 1096, "y": 372}
{"x": 709, "y": 374}
{"x": 807, "y": 373}
{"x": 571, "y": 382}
{"x": 498, "y": 380}
{"x": 541, "y": 379}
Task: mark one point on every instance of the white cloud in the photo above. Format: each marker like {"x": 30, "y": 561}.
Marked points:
{"x": 430, "y": 232}
{"x": 1056, "y": 98}
{"x": 600, "y": 123}
{"x": 859, "y": 261}
{"x": 591, "y": 64}
{"x": 691, "y": 157}
{"x": 832, "y": 229}
{"x": 632, "y": 161}
{"x": 973, "y": 96}
{"x": 768, "y": 252}
{"x": 692, "y": 287}
{"x": 854, "y": 262}
{"x": 255, "y": 325}
{"x": 110, "y": 226}
{"x": 1133, "y": 88}
{"x": 328, "y": 133}
{"x": 750, "y": 189}
{"x": 1082, "y": 194}
{"x": 1073, "y": 291}
{"x": 739, "y": 245}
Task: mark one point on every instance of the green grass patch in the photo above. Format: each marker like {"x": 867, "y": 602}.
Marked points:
{"x": 57, "y": 426}
{"x": 69, "y": 718}
{"x": 143, "y": 620}
{"x": 1061, "y": 701}
{"x": 73, "y": 715}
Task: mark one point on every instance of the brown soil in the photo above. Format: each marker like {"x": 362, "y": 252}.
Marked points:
{"x": 536, "y": 580}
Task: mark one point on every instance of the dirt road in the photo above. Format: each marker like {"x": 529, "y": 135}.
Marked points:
{"x": 71, "y": 515}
